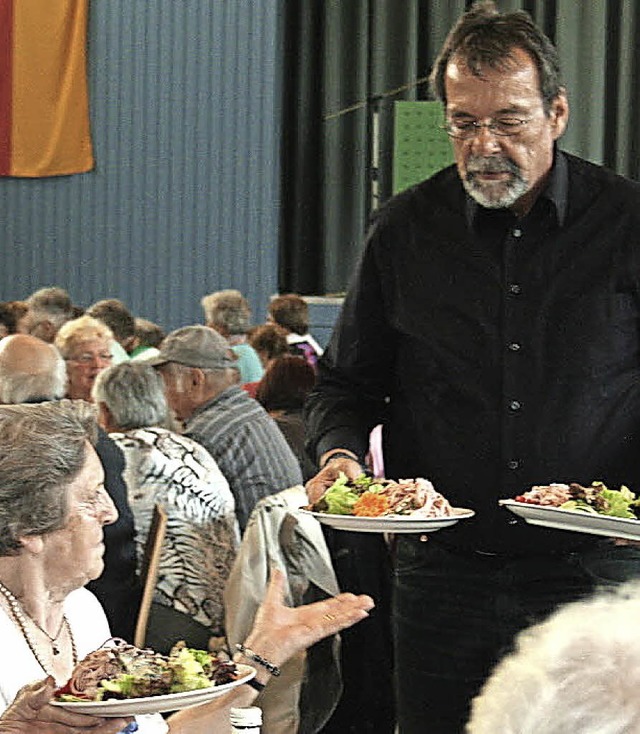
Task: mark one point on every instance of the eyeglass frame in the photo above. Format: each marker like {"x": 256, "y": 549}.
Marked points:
{"x": 475, "y": 126}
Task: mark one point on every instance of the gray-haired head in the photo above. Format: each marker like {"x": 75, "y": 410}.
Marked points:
{"x": 30, "y": 370}
{"x": 485, "y": 38}
{"x": 42, "y": 450}
{"x": 227, "y": 311}
{"x": 134, "y": 394}
{"x": 47, "y": 310}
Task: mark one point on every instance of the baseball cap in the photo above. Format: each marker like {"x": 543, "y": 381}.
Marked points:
{"x": 195, "y": 346}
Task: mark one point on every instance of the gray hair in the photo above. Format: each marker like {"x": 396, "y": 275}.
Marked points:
{"x": 134, "y": 394}
{"x": 228, "y": 309}
{"x": 51, "y": 304}
{"x": 579, "y": 671}
{"x": 485, "y": 38}
{"x": 42, "y": 450}
{"x": 23, "y": 387}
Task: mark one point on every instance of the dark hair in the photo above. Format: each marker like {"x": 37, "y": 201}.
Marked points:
{"x": 149, "y": 333}
{"x": 116, "y": 316}
{"x": 290, "y": 311}
{"x": 270, "y": 340}
{"x": 484, "y": 37}
{"x": 8, "y": 317}
{"x": 286, "y": 383}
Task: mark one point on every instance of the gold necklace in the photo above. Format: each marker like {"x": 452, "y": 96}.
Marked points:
{"x": 20, "y": 617}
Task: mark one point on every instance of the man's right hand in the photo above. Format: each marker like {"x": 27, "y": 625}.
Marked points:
{"x": 318, "y": 485}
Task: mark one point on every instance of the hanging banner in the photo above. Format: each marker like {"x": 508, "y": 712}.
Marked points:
{"x": 44, "y": 106}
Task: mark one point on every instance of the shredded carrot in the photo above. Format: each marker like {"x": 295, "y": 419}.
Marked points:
{"x": 371, "y": 504}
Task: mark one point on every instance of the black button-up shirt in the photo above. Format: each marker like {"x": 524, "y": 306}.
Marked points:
{"x": 497, "y": 352}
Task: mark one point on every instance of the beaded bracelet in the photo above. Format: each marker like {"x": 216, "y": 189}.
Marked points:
{"x": 248, "y": 653}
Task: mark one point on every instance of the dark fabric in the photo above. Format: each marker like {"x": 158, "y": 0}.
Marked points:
{"x": 167, "y": 626}
{"x": 118, "y": 587}
{"x": 362, "y": 565}
{"x": 456, "y": 615}
{"x": 292, "y": 426}
{"x": 503, "y": 366}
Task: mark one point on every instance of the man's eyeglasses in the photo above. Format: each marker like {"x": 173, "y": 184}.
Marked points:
{"x": 502, "y": 126}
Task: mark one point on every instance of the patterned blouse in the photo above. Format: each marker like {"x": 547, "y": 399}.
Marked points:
{"x": 202, "y": 532}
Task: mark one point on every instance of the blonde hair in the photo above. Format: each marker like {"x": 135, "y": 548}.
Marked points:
{"x": 82, "y": 329}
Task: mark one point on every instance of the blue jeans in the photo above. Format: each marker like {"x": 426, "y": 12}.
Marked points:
{"x": 455, "y": 614}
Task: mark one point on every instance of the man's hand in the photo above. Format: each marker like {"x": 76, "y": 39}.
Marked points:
{"x": 31, "y": 712}
{"x": 319, "y": 484}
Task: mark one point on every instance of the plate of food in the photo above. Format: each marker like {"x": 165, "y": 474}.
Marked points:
{"x": 369, "y": 505}
{"x": 595, "y": 510}
{"x": 123, "y": 680}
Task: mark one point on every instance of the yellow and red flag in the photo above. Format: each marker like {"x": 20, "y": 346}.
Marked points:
{"x": 44, "y": 106}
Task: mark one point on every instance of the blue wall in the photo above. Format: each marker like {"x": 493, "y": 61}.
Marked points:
{"x": 184, "y": 200}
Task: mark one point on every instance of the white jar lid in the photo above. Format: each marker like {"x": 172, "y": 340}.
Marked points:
{"x": 250, "y": 716}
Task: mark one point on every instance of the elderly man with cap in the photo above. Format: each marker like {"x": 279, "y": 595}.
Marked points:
{"x": 198, "y": 369}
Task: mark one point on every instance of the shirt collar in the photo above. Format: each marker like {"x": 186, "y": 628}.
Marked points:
{"x": 556, "y": 192}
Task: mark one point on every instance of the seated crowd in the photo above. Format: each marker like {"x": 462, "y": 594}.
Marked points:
{"x": 103, "y": 415}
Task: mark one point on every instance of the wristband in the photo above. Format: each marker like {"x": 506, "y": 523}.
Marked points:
{"x": 251, "y": 655}
{"x": 341, "y": 455}
{"x": 255, "y": 684}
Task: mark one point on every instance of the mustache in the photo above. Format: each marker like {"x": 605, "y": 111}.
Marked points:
{"x": 491, "y": 164}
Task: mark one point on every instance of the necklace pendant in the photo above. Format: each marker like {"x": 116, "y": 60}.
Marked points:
{"x": 55, "y": 650}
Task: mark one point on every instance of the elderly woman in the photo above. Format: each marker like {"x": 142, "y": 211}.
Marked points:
{"x": 53, "y": 507}
{"x": 85, "y": 344}
{"x": 163, "y": 467}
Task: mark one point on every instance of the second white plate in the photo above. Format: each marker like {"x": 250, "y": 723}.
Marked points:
{"x": 578, "y": 522}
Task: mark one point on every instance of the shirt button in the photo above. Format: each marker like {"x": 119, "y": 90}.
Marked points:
{"x": 515, "y": 289}
{"x": 515, "y": 405}
{"x": 517, "y": 232}
{"x": 513, "y": 464}
{"x": 514, "y": 347}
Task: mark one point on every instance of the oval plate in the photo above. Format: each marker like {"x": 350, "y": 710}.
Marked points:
{"x": 156, "y": 704}
{"x": 391, "y": 523}
{"x": 578, "y": 522}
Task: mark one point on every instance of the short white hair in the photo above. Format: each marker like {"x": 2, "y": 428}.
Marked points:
{"x": 578, "y": 672}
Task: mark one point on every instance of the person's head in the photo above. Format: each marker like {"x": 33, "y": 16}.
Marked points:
{"x": 117, "y": 317}
{"x": 498, "y": 76}
{"x": 269, "y": 341}
{"x": 20, "y": 311}
{"x": 130, "y": 395}
{"x": 85, "y": 345}
{"x": 578, "y": 671}
{"x": 291, "y": 312}
{"x": 53, "y": 503}
{"x": 196, "y": 364}
{"x": 227, "y": 312}
{"x": 30, "y": 370}
{"x": 286, "y": 383}
{"x": 48, "y": 310}
{"x": 148, "y": 334}
{"x": 7, "y": 320}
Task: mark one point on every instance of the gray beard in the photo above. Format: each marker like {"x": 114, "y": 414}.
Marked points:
{"x": 498, "y": 194}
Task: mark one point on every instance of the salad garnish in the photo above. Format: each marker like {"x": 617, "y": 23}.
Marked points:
{"x": 366, "y": 496}
{"x": 596, "y": 499}
{"x": 120, "y": 670}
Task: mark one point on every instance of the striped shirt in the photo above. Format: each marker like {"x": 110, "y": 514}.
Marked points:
{"x": 248, "y": 447}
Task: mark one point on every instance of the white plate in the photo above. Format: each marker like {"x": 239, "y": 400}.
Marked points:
{"x": 580, "y": 522}
{"x": 156, "y": 704}
{"x": 391, "y": 523}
